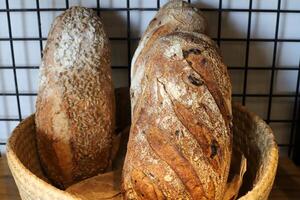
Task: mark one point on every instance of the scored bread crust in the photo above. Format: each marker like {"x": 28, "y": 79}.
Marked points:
{"x": 174, "y": 16}
{"x": 180, "y": 139}
{"x": 75, "y": 109}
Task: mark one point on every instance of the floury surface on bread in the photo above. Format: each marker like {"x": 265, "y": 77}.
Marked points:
{"x": 174, "y": 16}
{"x": 180, "y": 141}
{"x": 75, "y": 111}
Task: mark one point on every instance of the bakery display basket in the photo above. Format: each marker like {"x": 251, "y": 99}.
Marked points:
{"x": 252, "y": 136}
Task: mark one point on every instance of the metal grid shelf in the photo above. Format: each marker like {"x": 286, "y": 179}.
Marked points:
{"x": 294, "y": 139}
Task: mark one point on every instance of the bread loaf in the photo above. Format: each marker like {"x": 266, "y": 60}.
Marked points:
{"x": 174, "y": 16}
{"x": 180, "y": 140}
{"x": 75, "y": 111}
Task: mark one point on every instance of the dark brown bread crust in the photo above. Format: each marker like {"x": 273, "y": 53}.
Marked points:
{"x": 75, "y": 111}
{"x": 180, "y": 139}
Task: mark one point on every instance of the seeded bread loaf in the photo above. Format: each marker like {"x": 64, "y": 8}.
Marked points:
{"x": 75, "y": 111}
{"x": 180, "y": 140}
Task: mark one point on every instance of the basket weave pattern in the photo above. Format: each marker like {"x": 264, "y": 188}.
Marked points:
{"x": 256, "y": 140}
{"x": 24, "y": 164}
{"x": 251, "y": 135}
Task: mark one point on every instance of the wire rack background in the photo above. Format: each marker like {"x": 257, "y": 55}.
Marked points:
{"x": 253, "y": 58}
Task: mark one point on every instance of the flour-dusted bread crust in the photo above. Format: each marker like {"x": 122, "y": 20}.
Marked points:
{"x": 174, "y": 16}
{"x": 180, "y": 140}
{"x": 75, "y": 111}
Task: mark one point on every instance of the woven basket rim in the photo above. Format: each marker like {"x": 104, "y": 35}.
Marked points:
{"x": 267, "y": 178}
{"x": 260, "y": 188}
{"x": 13, "y": 158}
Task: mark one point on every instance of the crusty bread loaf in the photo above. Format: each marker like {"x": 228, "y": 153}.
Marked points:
{"x": 180, "y": 139}
{"x": 172, "y": 17}
{"x": 75, "y": 111}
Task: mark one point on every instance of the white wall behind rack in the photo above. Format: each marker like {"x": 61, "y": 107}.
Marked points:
{"x": 234, "y": 25}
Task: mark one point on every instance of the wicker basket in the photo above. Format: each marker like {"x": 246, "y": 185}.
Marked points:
{"x": 251, "y": 134}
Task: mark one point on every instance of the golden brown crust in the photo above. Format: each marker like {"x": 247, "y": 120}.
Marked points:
{"x": 144, "y": 187}
{"x": 168, "y": 153}
{"x": 174, "y": 16}
{"x": 202, "y": 134}
{"x": 180, "y": 137}
{"x": 75, "y": 114}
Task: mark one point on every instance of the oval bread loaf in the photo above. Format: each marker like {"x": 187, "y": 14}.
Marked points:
{"x": 172, "y": 17}
{"x": 180, "y": 140}
{"x": 75, "y": 111}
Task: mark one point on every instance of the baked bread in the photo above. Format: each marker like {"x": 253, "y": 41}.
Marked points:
{"x": 75, "y": 111}
{"x": 174, "y": 16}
{"x": 180, "y": 141}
